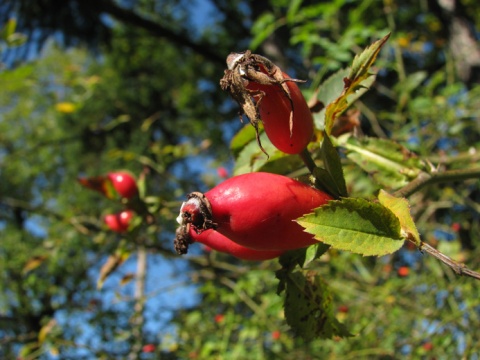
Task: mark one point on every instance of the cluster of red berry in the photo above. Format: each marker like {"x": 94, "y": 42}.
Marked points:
{"x": 120, "y": 184}
{"x": 251, "y": 216}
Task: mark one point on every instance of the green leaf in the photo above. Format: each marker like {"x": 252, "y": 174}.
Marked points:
{"x": 308, "y": 308}
{"x": 359, "y": 72}
{"x": 401, "y": 208}
{"x": 9, "y": 28}
{"x": 241, "y": 139}
{"x": 333, "y": 166}
{"x": 16, "y": 39}
{"x": 363, "y": 62}
{"x": 250, "y": 158}
{"x": 302, "y": 257}
{"x": 355, "y": 225}
{"x": 390, "y": 163}
{"x": 263, "y": 27}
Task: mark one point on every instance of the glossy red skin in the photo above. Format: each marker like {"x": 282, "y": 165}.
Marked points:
{"x": 275, "y": 110}
{"x": 257, "y": 210}
{"x": 119, "y": 222}
{"x": 219, "y": 242}
{"x": 124, "y": 183}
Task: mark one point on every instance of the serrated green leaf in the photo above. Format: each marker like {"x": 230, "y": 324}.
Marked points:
{"x": 332, "y": 88}
{"x": 333, "y": 165}
{"x": 363, "y": 62}
{"x": 324, "y": 181}
{"x": 308, "y": 308}
{"x": 359, "y": 72}
{"x": 401, "y": 208}
{"x": 355, "y": 225}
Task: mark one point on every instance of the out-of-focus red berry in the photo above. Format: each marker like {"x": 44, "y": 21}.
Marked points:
{"x": 148, "y": 348}
{"x": 124, "y": 183}
{"x": 219, "y": 318}
{"x": 456, "y": 227}
{"x": 222, "y": 172}
{"x": 403, "y": 271}
{"x": 427, "y": 346}
{"x": 119, "y": 222}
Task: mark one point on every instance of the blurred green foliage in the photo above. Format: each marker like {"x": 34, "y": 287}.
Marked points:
{"x": 150, "y": 105}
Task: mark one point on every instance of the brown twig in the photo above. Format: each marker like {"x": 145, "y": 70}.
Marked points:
{"x": 458, "y": 268}
{"x": 424, "y": 179}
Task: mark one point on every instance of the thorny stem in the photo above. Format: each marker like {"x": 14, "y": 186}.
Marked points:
{"x": 424, "y": 179}
{"x": 458, "y": 268}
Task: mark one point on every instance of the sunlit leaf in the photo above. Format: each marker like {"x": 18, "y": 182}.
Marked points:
{"x": 355, "y": 225}
{"x": 390, "y": 163}
{"x": 401, "y": 208}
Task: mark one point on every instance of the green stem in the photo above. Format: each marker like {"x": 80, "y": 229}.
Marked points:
{"x": 308, "y": 161}
{"x": 424, "y": 179}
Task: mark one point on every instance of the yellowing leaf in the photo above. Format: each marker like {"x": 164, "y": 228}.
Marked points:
{"x": 355, "y": 225}
{"x": 65, "y": 107}
{"x": 359, "y": 72}
{"x": 112, "y": 263}
{"x": 401, "y": 208}
{"x": 126, "y": 279}
{"x": 33, "y": 263}
{"x": 45, "y": 330}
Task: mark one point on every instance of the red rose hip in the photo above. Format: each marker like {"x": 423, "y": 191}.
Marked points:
{"x": 288, "y": 134}
{"x": 255, "y": 210}
{"x": 124, "y": 183}
{"x": 119, "y": 222}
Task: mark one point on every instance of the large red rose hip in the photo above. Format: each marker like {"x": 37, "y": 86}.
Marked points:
{"x": 221, "y": 243}
{"x": 255, "y": 210}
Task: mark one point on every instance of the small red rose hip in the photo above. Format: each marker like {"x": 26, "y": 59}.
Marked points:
{"x": 119, "y": 222}
{"x": 124, "y": 183}
{"x": 276, "y": 111}
{"x": 255, "y": 210}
